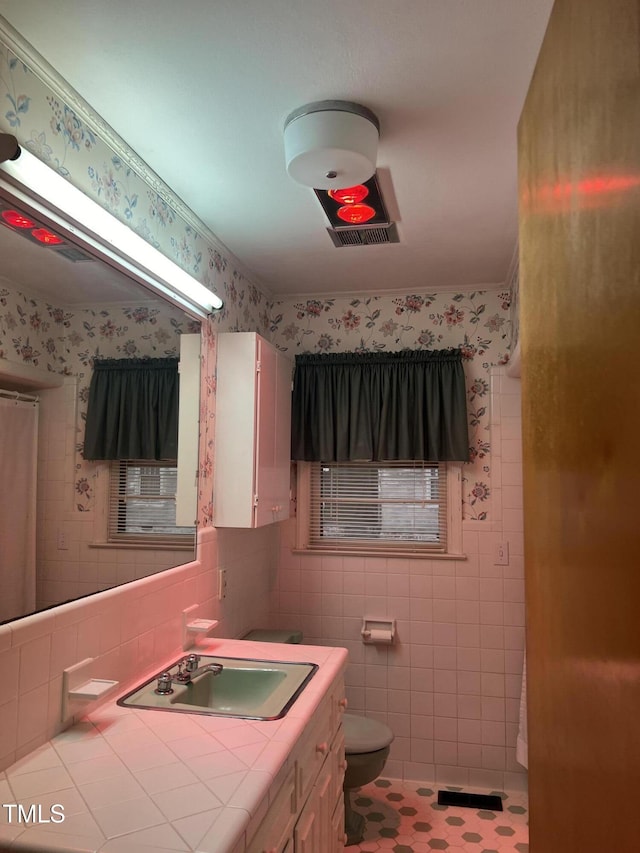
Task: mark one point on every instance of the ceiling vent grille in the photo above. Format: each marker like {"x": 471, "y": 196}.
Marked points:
{"x": 374, "y": 235}
{"x": 73, "y": 253}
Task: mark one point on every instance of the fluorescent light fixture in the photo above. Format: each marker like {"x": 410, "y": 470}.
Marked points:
{"x": 101, "y": 230}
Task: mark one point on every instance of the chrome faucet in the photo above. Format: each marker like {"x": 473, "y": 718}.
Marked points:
{"x": 185, "y": 676}
{"x": 192, "y": 670}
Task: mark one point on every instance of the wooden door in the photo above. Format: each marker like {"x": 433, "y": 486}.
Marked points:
{"x": 579, "y": 165}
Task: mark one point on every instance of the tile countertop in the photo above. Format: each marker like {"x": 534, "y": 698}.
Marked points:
{"x": 132, "y": 781}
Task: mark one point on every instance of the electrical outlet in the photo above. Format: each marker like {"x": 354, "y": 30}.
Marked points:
{"x": 501, "y": 554}
{"x": 62, "y": 540}
{"x": 222, "y": 584}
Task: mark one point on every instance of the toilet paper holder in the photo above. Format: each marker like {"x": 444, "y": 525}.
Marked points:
{"x": 378, "y": 631}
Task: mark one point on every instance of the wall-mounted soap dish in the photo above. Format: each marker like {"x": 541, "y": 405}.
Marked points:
{"x": 193, "y": 627}
{"x": 79, "y": 688}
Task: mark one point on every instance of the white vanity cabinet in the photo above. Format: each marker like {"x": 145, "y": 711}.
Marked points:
{"x": 306, "y": 810}
{"x": 253, "y": 432}
{"x": 320, "y": 826}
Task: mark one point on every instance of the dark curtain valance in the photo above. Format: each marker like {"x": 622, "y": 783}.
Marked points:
{"x": 132, "y": 412}
{"x": 379, "y": 407}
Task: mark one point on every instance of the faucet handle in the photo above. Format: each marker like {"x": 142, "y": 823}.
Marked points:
{"x": 164, "y": 684}
{"x": 191, "y": 663}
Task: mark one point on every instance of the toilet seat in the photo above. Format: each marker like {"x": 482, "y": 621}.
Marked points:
{"x": 362, "y": 734}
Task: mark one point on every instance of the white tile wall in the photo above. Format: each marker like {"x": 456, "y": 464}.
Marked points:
{"x": 128, "y": 629}
{"x": 450, "y": 686}
{"x": 78, "y": 569}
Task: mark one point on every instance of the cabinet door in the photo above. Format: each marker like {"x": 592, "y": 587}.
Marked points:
{"x": 283, "y": 436}
{"x": 326, "y": 805}
{"x": 275, "y": 833}
{"x": 265, "y": 447}
{"x": 339, "y": 765}
{"x": 234, "y": 468}
{"x": 273, "y": 435}
{"x": 282, "y": 844}
{"x": 338, "y": 836}
{"x": 314, "y": 832}
{"x": 253, "y": 432}
{"x": 306, "y": 835}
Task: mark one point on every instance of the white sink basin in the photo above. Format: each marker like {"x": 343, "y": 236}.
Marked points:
{"x": 251, "y": 689}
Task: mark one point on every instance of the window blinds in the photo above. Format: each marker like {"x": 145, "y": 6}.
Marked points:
{"x": 383, "y": 506}
{"x": 142, "y": 506}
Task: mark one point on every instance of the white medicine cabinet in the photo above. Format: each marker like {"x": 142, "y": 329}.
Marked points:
{"x": 253, "y": 432}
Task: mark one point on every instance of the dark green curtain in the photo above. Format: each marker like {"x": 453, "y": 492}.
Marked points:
{"x": 380, "y": 407}
{"x": 132, "y": 412}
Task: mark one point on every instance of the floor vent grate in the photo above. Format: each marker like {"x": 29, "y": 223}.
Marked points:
{"x": 491, "y": 802}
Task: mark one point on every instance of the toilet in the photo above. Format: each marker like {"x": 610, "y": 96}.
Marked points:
{"x": 273, "y": 635}
{"x": 366, "y": 747}
{"x": 366, "y": 744}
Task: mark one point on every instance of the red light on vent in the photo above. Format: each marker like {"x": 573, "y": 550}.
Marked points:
{"x": 345, "y": 207}
{"x": 17, "y": 220}
{"x": 46, "y": 237}
{"x": 349, "y": 195}
{"x": 356, "y": 214}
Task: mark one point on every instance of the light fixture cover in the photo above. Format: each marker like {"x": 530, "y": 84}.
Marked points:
{"x": 331, "y": 144}
{"x": 65, "y": 204}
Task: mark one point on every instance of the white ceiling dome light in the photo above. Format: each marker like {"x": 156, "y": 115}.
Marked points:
{"x": 331, "y": 144}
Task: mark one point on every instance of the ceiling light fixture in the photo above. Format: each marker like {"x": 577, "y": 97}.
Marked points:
{"x": 331, "y": 144}
{"x": 349, "y": 195}
{"x": 344, "y": 207}
{"x": 60, "y": 201}
{"x": 15, "y": 219}
{"x": 356, "y": 214}
{"x": 46, "y": 237}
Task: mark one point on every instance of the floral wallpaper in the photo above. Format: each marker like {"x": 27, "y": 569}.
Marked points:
{"x": 207, "y": 425}
{"x": 65, "y": 341}
{"x": 478, "y": 323}
{"x": 57, "y": 135}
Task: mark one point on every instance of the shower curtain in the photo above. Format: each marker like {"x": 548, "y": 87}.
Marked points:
{"x": 522, "y": 742}
{"x": 18, "y": 470}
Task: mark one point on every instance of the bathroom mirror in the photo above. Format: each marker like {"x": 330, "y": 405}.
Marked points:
{"x": 57, "y": 311}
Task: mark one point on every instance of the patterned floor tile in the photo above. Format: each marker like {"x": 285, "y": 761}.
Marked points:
{"x": 404, "y": 817}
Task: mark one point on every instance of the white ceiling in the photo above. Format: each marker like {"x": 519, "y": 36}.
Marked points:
{"x": 200, "y": 89}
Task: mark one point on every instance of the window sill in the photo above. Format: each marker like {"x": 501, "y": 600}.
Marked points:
{"x": 404, "y": 555}
{"x": 137, "y": 546}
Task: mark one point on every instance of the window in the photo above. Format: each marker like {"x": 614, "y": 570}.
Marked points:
{"x": 379, "y": 507}
{"x": 142, "y": 505}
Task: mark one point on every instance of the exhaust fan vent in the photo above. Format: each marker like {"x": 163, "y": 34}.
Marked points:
{"x": 375, "y": 235}
{"x": 73, "y": 253}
